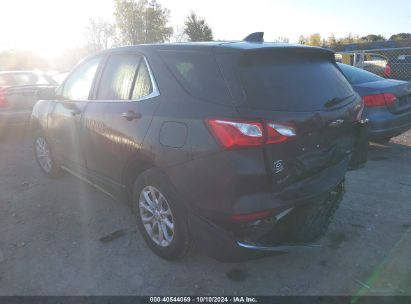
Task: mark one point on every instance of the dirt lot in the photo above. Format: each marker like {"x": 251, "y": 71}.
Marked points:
{"x": 51, "y": 230}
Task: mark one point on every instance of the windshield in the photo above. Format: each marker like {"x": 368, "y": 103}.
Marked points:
{"x": 357, "y": 76}
{"x": 291, "y": 82}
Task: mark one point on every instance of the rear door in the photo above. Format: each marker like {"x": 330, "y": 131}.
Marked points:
{"x": 65, "y": 117}
{"x": 302, "y": 88}
{"x": 116, "y": 121}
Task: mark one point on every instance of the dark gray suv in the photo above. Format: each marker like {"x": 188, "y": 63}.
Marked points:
{"x": 241, "y": 147}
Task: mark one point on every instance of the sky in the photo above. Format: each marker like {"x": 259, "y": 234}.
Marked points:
{"x": 48, "y": 27}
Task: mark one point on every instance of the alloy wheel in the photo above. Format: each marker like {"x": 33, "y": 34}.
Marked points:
{"x": 156, "y": 216}
{"x": 43, "y": 154}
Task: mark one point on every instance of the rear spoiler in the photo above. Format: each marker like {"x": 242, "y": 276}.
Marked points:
{"x": 297, "y": 49}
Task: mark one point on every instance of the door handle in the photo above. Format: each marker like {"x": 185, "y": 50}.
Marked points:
{"x": 131, "y": 115}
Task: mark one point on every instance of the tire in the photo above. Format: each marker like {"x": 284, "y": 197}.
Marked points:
{"x": 165, "y": 210}
{"x": 310, "y": 222}
{"x": 44, "y": 156}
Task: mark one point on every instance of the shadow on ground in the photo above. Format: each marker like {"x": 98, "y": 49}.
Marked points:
{"x": 62, "y": 237}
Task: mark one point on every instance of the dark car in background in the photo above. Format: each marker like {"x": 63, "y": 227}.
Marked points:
{"x": 399, "y": 68}
{"x": 387, "y": 102}
{"x": 241, "y": 147}
{"x": 18, "y": 94}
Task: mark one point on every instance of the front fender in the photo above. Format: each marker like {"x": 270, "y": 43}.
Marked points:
{"x": 39, "y": 115}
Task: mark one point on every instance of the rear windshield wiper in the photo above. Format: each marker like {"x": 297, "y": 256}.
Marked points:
{"x": 336, "y": 100}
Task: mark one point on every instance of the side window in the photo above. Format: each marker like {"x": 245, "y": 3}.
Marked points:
{"x": 78, "y": 84}
{"x": 118, "y": 76}
{"x": 143, "y": 85}
{"x": 198, "y": 73}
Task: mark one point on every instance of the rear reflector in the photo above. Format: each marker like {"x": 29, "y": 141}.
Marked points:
{"x": 379, "y": 100}
{"x": 251, "y": 216}
{"x": 238, "y": 133}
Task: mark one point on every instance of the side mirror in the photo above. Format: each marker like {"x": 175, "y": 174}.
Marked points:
{"x": 46, "y": 94}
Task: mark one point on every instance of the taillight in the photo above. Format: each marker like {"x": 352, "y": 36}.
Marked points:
{"x": 3, "y": 101}
{"x": 277, "y": 133}
{"x": 387, "y": 70}
{"x": 238, "y": 133}
{"x": 390, "y": 99}
{"x": 379, "y": 100}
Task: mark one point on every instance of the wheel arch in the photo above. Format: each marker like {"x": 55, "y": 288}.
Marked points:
{"x": 135, "y": 165}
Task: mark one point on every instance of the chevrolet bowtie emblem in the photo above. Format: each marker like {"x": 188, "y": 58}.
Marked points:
{"x": 336, "y": 123}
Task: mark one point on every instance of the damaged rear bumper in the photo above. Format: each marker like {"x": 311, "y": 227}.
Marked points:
{"x": 221, "y": 245}
{"x": 231, "y": 241}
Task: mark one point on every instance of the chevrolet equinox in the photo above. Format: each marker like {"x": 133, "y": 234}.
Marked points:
{"x": 241, "y": 147}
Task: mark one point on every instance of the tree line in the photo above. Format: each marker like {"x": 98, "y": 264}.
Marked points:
{"x": 135, "y": 22}
{"x": 147, "y": 21}
{"x": 316, "y": 39}
{"x": 143, "y": 21}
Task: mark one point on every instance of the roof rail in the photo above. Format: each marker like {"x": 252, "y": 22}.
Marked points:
{"x": 255, "y": 37}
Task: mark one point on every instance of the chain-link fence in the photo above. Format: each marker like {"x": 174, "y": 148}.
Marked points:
{"x": 389, "y": 63}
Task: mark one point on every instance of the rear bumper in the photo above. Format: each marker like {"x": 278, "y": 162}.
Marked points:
{"x": 295, "y": 194}
{"x": 221, "y": 245}
{"x": 225, "y": 245}
{"x": 384, "y": 124}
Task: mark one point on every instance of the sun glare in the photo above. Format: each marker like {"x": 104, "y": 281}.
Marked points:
{"x": 48, "y": 27}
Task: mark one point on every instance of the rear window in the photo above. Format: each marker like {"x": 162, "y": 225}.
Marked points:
{"x": 291, "y": 82}
{"x": 357, "y": 76}
{"x": 198, "y": 73}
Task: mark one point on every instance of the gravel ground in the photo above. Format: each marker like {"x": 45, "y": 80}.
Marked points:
{"x": 52, "y": 239}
